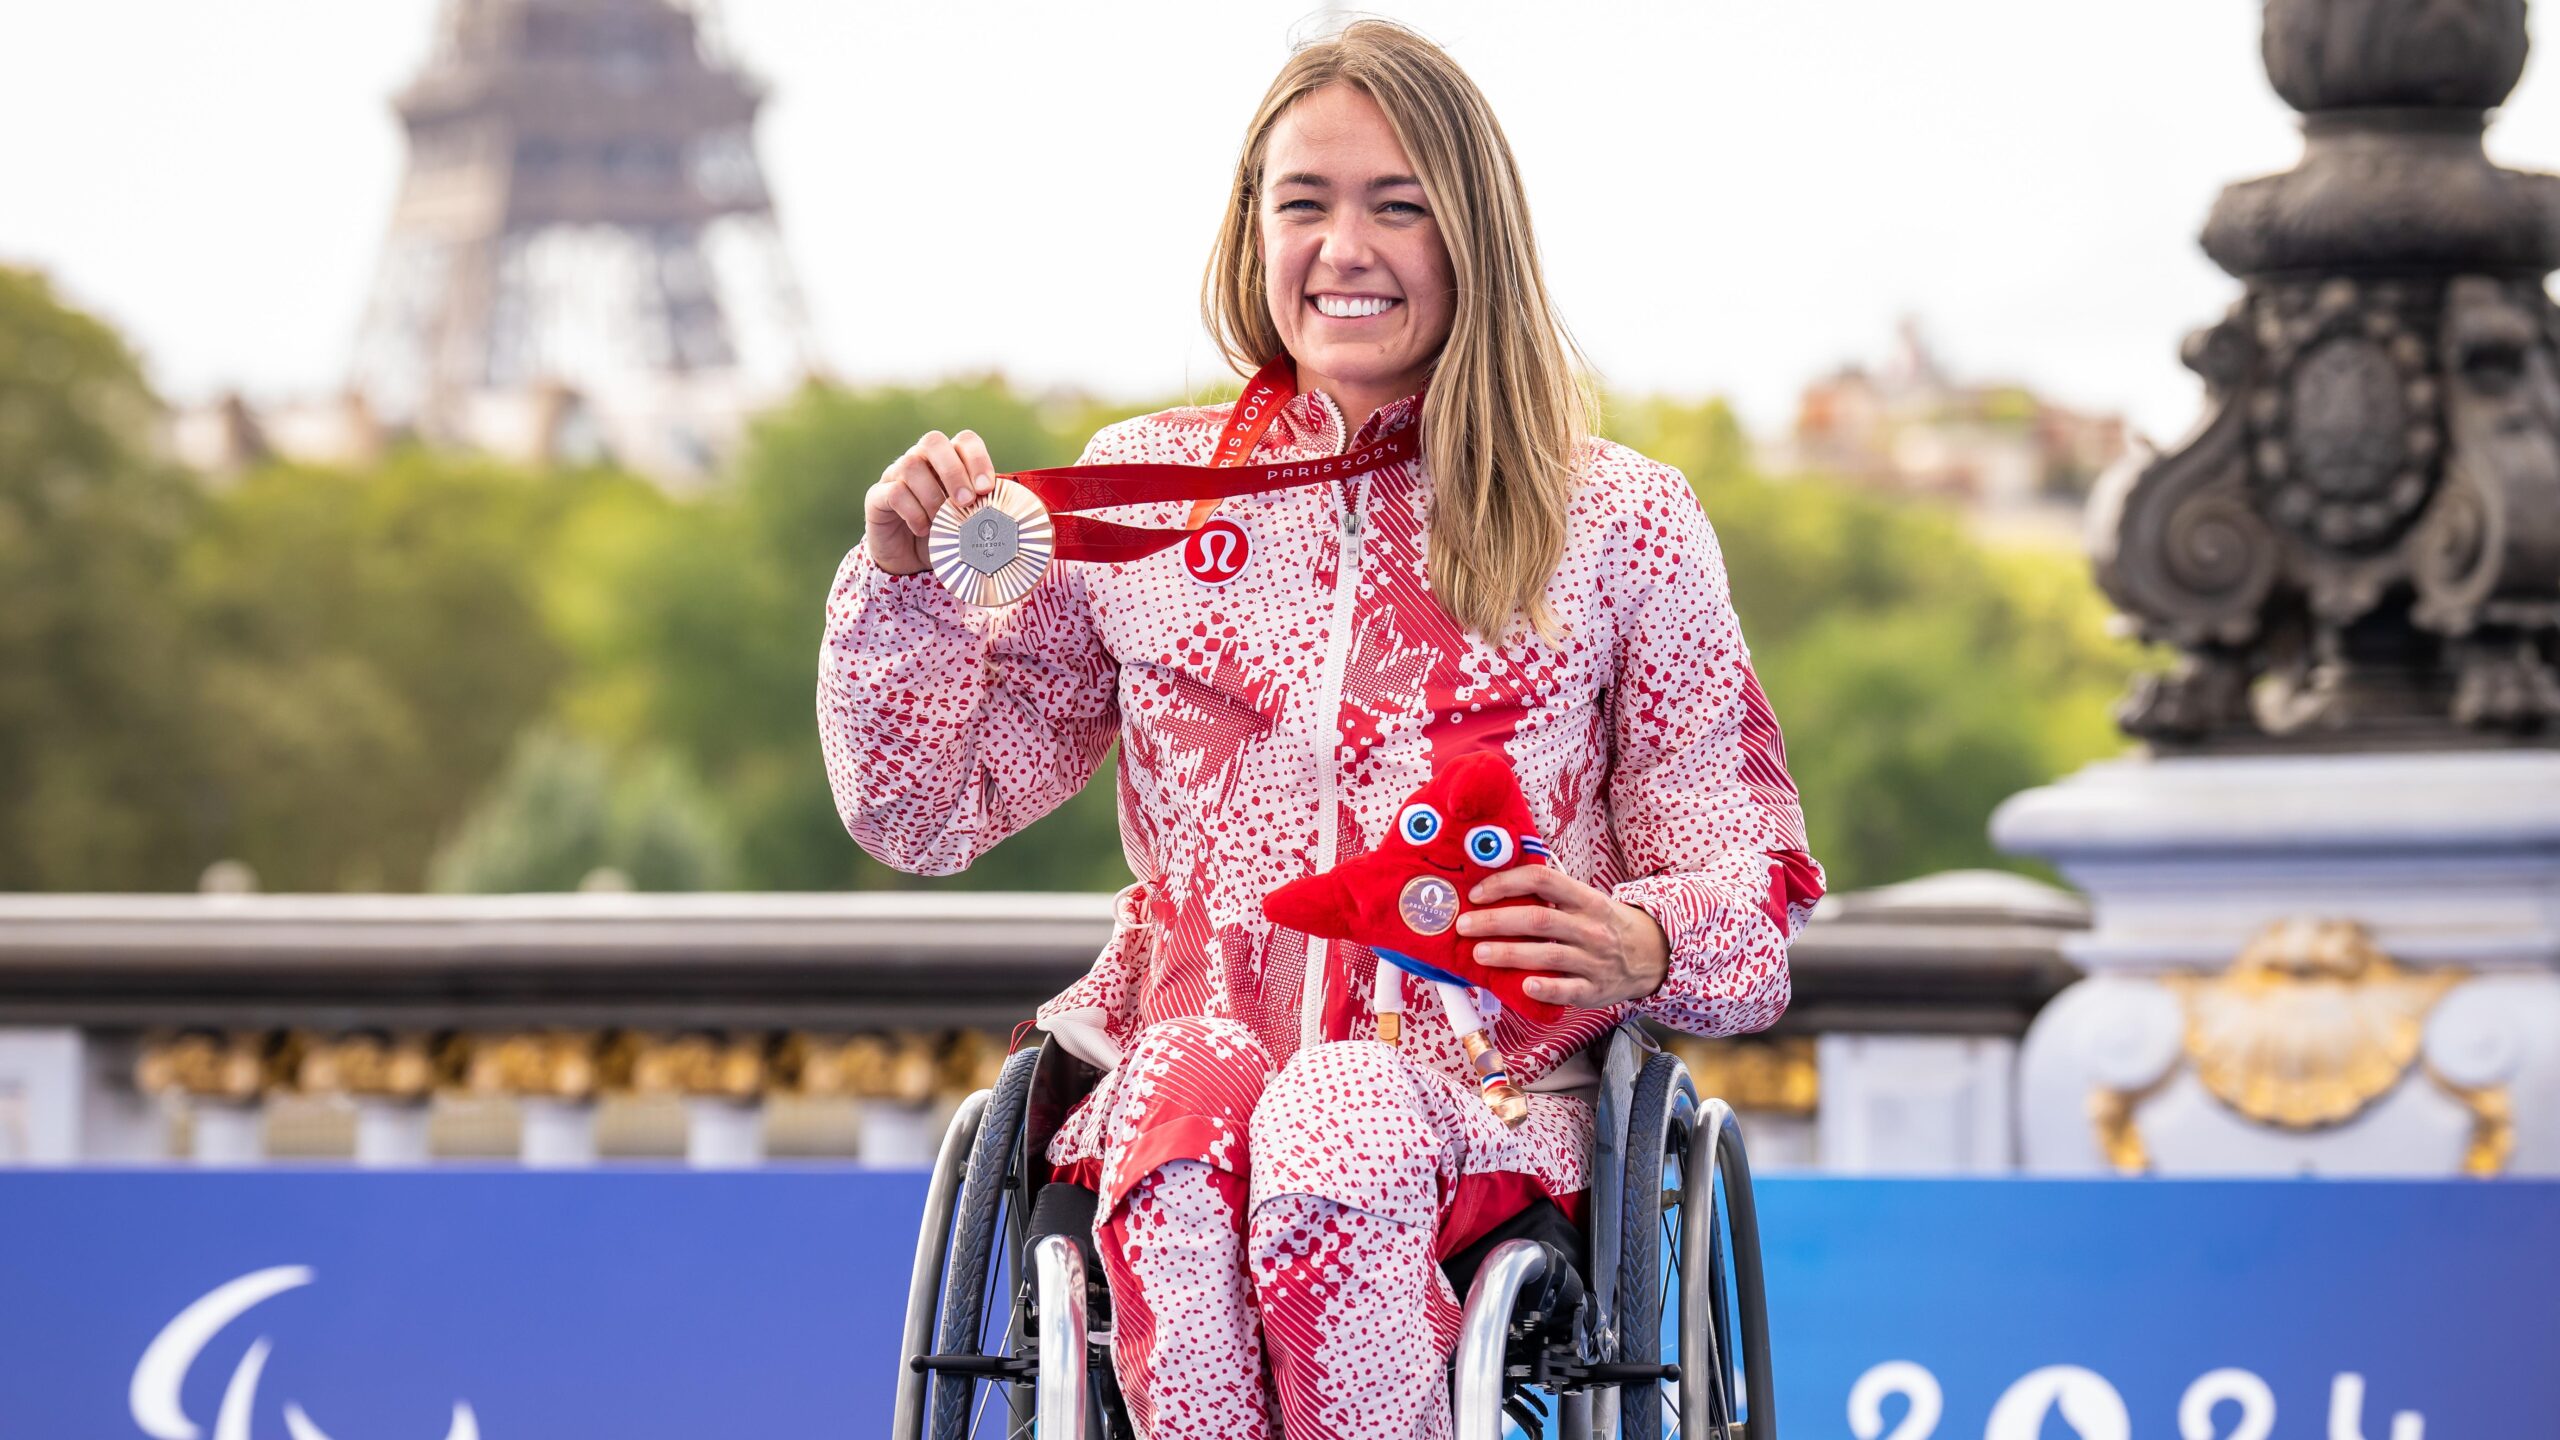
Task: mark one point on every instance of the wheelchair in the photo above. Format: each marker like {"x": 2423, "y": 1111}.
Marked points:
{"x": 1652, "y": 1324}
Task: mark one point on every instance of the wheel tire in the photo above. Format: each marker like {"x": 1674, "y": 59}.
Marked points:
{"x": 1660, "y": 1115}
{"x": 1739, "y": 1317}
{"x": 983, "y": 1228}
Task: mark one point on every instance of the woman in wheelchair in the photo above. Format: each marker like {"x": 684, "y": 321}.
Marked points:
{"x": 1275, "y": 1186}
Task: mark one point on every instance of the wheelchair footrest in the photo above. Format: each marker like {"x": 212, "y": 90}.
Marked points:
{"x": 992, "y": 1367}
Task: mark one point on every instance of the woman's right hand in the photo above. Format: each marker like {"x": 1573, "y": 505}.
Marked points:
{"x": 897, "y": 515}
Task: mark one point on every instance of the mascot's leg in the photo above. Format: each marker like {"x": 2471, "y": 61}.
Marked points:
{"x": 1185, "y": 1343}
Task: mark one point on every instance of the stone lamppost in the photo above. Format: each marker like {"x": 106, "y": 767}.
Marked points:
{"x": 2326, "y": 898}
{"x": 2361, "y": 543}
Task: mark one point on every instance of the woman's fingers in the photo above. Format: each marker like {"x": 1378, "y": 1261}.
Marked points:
{"x": 950, "y": 475}
{"x": 937, "y": 470}
{"x": 981, "y": 467}
{"x": 1545, "y": 882}
{"x": 1565, "y": 991}
{"x": 1541, "y": 920}
{"x": 909, "y": 509}
{"x": 1537, "y": 955}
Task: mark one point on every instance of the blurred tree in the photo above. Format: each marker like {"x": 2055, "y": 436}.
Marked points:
{"x": 369, "y": 647}
{"x": 1902, "y": 734}
{"x": 94, "y": 701}
{"x": 559, "y": 813}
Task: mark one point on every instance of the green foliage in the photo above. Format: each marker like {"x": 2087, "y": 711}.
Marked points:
{"x": 369, "y": 648}
{"x": 560, "y": 813}
{"x": 2012, "y": 406}
{"x": 95, "y": 733}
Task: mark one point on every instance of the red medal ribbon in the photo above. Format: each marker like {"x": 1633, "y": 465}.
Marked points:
{"x": 1067, "y": 488}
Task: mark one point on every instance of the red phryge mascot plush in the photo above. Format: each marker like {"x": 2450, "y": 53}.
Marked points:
{"x": 1403, "y": 901}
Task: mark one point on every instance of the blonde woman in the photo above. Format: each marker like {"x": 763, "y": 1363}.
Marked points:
{"x": 1277, "y": 1186}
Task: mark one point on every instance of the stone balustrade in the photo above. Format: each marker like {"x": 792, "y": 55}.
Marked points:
{"x": 732, "y": 1029}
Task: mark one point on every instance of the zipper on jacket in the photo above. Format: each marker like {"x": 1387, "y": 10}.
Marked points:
{"x": 1346, "y": 586}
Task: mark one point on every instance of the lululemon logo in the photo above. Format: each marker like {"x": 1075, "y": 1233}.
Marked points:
{"x": 1215, "y": 553}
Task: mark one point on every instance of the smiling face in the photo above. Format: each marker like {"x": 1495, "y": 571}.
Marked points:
{"x": 1361, "y": 287}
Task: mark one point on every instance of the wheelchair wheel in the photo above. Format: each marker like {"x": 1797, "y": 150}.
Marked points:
{"x": 1722, "y": 1218}
{"x": 1652, "y": 1303}
{"x": 1692, "y": 1294}
{"x": 977, "y": 1312}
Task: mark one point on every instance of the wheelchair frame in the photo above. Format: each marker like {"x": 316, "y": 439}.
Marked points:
{"x": 1671, "y": 1339}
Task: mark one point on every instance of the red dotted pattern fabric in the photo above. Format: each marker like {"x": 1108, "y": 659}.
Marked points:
{"x": 1246, "y": 711}
{"x": 1185, "y": 1339}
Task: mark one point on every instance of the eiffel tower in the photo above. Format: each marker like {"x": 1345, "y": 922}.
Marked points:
{"x": 583, "y": 236}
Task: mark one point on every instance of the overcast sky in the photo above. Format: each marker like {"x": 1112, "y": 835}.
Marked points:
{"x": 1733, "y": 195}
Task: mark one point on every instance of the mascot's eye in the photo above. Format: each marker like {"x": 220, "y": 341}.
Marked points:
{"x": 1419, "y": 824}
{"x": 1489, "y": 846}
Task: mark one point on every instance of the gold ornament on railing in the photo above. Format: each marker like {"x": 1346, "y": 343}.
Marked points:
{"x": 971, "y": 1060}
{"x": 1769, "y": 1076}
{"x": 832, "y": 1066}
{"x": 2119, "y": 1139}
{"x": 911, "y": 1067}
{"x": 2311, "y": 1024}
{"x": 699, "y": 1064}
{"x": 532, "y": 1064}
{"x": 206, "y": 1065}
{"x": 903, "y": 1067}
{"x": 369, "y": 1064}
{"x": 2493, "y": 1125}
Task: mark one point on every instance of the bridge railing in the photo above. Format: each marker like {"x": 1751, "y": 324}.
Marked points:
{"x": 732, "y": 1029}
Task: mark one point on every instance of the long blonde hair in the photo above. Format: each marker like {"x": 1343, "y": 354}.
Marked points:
{"x": 1508, "y": 410}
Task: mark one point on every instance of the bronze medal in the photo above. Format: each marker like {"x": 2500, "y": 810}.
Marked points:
{"x": 1429, "y": 904}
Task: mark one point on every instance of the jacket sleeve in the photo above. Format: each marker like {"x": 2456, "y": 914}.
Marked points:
{"x": 947, "y": 728}
{"x": 1702, "y": 812}
{"x": 1097, "y": 1016}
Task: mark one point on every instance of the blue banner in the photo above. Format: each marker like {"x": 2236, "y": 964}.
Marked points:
{"x": 2206, "y": 1310}
{"x": 319, "y": 1304}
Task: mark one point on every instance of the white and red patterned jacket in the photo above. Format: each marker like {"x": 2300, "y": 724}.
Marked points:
{"x": 1270, "y": 725}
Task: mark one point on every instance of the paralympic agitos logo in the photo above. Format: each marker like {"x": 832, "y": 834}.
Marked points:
{"x": 162, "y": 1375}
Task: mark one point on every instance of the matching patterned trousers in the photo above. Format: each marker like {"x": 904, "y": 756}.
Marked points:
{"x": 1273, "y": 1236}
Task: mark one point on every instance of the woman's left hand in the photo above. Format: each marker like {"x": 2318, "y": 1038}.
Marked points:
{"x": 1598, "y": 951}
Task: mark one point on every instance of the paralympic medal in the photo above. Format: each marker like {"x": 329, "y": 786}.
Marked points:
{"x": 994, "y": 552}
{"x": 1428, "y": 904}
